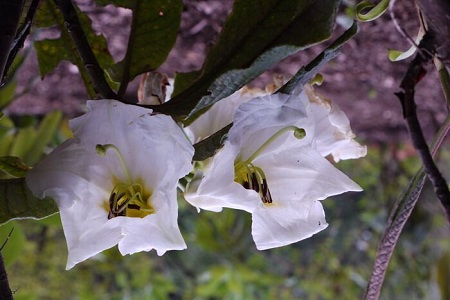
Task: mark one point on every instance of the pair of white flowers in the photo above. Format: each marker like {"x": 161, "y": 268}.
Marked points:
{"x": 116, "y": 181}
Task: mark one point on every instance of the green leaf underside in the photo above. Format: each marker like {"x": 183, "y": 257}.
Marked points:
{"x": 17, "y": 202}
{"x": 51, "y": 52}
{"x": 153, "y": 33}
{"x": 305, "y": 74}
{"x": 256, "y": 35}
{"x": 13, "y": 166}
{"x": 207, "y": 147}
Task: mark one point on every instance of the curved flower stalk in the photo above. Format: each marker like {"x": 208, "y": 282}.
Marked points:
{"x": 115, "y": 181}
{"x": 272, "y": 165}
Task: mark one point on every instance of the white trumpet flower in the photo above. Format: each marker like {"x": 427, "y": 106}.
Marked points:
{"x": 273, "y": 166}
{"x": 115, "y": 182}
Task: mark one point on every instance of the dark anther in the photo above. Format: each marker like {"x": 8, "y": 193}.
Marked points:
{"x": 255, "y": 184}
{"x": 266, "y": 196}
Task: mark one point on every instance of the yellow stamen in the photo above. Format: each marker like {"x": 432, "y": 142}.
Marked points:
{"x": 252, "y": 177}
{"x": 126, "y": 199}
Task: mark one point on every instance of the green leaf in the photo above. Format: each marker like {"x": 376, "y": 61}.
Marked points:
{"x": 50, "y": 52}
{"x": 14, "y": 244}
{"x": 17, "y": 202}
{"x": 208, "y": 147}
{"x": 24, "y": 139}
{"x": 305, "y": 74}
{"x": 121, "y": 3}
{"x": 7, "y": 94}
{"x": 7, "y": 130}
{"x": 257, "y": 34}
{"x": 13, "y": 166}
{"x": 45, "y": 132}
{"x": 154, "y": 29}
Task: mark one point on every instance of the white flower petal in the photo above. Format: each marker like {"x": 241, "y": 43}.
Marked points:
{"x": 87, "y": 230}
{"x": 303, "y": 174}
{"x": 333, "y": 133}
{"x": 219, "y": 115}
{"x": 272, "y": 228}
{"x": 72, "y": 169}
{"x": 158, "y": 151}
{"x": 156, "y": 231}
{"x": 217, "y": 188}
{"x": 259, "y": 119}
{"x": 104, "y": 121}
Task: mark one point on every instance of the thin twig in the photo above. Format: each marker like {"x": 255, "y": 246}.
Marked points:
{"x": 84, "y": 49}
{"x": 5, "y": 290}
{"x": 414, "y": 74}
{"x": 10, "y": 12}
{"x": 22, "y": 34}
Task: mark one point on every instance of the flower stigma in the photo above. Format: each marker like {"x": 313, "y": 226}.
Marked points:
{"x": 252, "y": 177}
{"x": 126, "y": 199}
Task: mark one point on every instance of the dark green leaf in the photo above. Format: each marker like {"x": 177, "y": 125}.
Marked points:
{"x": 255, "y": 36}
{"x": 305, "y": 74}
{"x": 207, "y": 147}
{"x": 17, "y": 201}
{"x": 121, "y": 3}
{"x": 13, "y": 166}
{"x": 154, "y": 29}
{"x": 51, "y": 52}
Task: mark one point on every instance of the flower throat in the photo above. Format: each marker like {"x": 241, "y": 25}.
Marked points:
{"x": 126, "y": 199}
{"x": 252, "y": 177}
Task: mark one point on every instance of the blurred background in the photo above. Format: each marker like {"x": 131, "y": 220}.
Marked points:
{"x": 221, "y": 261}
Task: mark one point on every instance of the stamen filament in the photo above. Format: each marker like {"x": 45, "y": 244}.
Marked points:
{"x": 102, "y": 149}
{"x": 298, "y": 133}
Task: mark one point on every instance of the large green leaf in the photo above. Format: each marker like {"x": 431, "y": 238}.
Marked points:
{"x": 51, "y": 52}
{"x": 17, "y": 201}
{"x": 154, "y": 29}
{"x": 257, "y": 34}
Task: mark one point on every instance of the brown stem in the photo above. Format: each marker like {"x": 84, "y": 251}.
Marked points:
{"x": 413, "y": 75}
